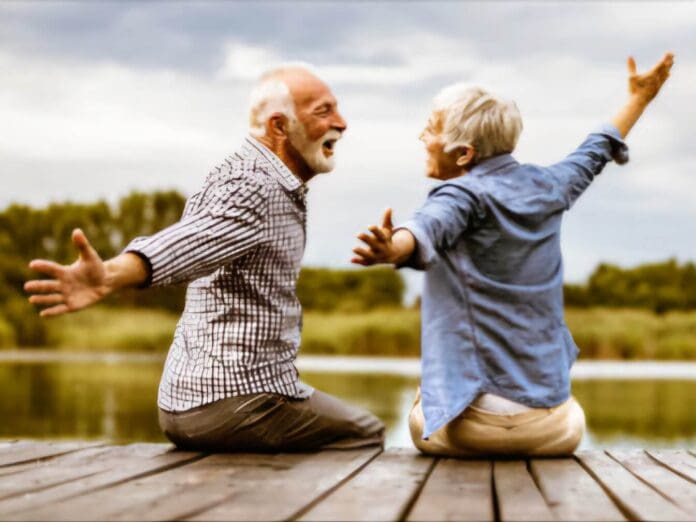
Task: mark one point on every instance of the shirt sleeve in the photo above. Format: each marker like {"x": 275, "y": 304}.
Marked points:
{"x": 575, "y": 173}
{"x": 449, "y": 210}
{"x": 230, "y": 225}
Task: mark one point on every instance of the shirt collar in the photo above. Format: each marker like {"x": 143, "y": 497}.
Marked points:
{"x": 278, "y": 170}
{"x": 492, "y": 164}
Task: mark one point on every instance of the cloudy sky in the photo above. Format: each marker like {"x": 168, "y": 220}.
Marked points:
{"x": 98, "y": 99}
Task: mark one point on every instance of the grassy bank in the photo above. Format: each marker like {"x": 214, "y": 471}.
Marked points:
{"x": 610, "y": 333}
{"x": 601, "y": 333}
{"x": 113, "y": 330}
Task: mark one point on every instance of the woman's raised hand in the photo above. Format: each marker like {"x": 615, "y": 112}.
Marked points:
{"x": 645, "y": 86}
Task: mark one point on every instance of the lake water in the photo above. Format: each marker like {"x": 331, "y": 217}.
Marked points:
{"x": 113, "y": 397}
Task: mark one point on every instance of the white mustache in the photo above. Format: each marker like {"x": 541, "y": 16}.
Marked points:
{"x": 331, "y": 134}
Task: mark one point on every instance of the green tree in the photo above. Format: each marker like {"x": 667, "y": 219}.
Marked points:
{"x": 349, "y": 290}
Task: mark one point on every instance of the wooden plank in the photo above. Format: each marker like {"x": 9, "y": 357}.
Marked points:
{"x": 258, "y": 483}
{"x": 383, "y": 490}
{"x": 30, "y": 451}
{"x": 49, "y": 503}
{"x": 669, "y": 484}
{"x": 571, "y": 493}
{"x": 517, "y": 494}
{"x": 635, "y": 498}
{"x": 72, "y": 466}
{"x": 679, "y": 461}
{"x": 9, "y": 448}
{"x": 287, "y": 493}
{"x": 456, "y": 490}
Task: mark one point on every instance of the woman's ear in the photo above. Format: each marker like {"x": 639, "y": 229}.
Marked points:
{"x": 466, "y": 157}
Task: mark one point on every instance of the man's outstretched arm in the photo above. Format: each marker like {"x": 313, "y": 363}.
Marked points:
{"x": 85, "y": 282}
{"x": 191, "y": 248}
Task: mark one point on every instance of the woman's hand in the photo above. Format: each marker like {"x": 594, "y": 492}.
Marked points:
{"x": 380, "y": 246}
{"x": 644, "y": 87}
{"x": 384, "y": 245}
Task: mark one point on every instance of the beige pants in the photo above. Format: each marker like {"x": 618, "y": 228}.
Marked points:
{"x": 547, "y": 432}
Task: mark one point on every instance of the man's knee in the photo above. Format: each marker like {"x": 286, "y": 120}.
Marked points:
{"x": 372, "y": 427}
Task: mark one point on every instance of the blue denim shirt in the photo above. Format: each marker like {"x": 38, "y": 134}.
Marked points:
{"x": 492, "y": 304}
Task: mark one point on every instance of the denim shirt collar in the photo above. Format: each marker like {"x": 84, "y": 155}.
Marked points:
{"x": 492, "y": 164}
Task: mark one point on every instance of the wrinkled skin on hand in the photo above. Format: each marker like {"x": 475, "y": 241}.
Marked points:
{"x": 72, "y": 287}
{"x": 646, "y": 86}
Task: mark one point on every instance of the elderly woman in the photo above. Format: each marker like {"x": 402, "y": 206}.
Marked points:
{"x": 496, "y": 353}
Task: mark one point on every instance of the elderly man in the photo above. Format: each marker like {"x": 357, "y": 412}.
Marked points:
{"x": 230, "y": 382}
{"x": 496, "y": 353}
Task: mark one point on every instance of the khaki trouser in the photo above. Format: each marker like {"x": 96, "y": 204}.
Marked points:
{"x": 547, "y": 432}
{"x": 271, "y": 422}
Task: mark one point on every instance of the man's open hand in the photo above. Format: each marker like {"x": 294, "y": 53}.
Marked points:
{"x": 379, "y": 241}
{"x": 72, "y": 287}
{"x": 646, "y": 86}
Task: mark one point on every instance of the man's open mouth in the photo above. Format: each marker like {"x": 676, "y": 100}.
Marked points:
{"x": 328, "y": 147}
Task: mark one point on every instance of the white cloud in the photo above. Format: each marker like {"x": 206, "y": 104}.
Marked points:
{"x": 84, "y": 130}
{"x": 434, "y": 55}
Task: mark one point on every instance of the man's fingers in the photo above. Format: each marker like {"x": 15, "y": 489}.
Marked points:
{"x": 387, "y": 219}
{"x": 39, "y": 286}
{"x": 379, "y": 233}
{"x": 82, "y": 244}
{"x": 50, "y": 299}
{"x": 47, "y": 267}
{"x": 631, "y": 66}
{"x": 55, "y": 310}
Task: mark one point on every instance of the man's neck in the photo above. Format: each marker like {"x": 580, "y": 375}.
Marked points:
{"x": 292, "y": 160}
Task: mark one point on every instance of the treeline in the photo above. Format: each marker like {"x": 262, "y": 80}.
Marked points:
{"x": 28, "y": 233}
{"x": 660, "y": 287}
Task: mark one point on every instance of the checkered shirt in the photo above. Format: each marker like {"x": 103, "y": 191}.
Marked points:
{"x": 238, "y": 245}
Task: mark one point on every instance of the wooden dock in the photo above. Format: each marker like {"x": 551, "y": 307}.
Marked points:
{"x": 99, "y": 481}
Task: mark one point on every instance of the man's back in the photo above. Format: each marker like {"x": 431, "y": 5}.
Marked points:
{"x": 240, "y": 329}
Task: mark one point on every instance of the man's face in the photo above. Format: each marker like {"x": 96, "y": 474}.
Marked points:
{"x": 319, "y": 126}
{"x": 439, "y": 164}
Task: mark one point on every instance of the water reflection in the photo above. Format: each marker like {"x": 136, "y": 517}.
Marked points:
{"x": 115, "y": 402}
{"x": 118, "y": 402}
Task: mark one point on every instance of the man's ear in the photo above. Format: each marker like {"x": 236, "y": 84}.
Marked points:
{"x": 277, "y": 125}
{"x": 466, "y": 156}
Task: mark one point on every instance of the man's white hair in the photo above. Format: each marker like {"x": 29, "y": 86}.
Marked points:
{"x": 271, "y": 95}
{"x": 473, "y": 117}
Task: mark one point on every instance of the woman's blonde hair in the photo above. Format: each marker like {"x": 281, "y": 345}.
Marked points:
{"x": 473, "y": 117}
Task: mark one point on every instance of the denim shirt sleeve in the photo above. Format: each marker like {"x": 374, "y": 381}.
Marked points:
{"x": 575, "y": 173}
{"x": 446, "y": 214}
